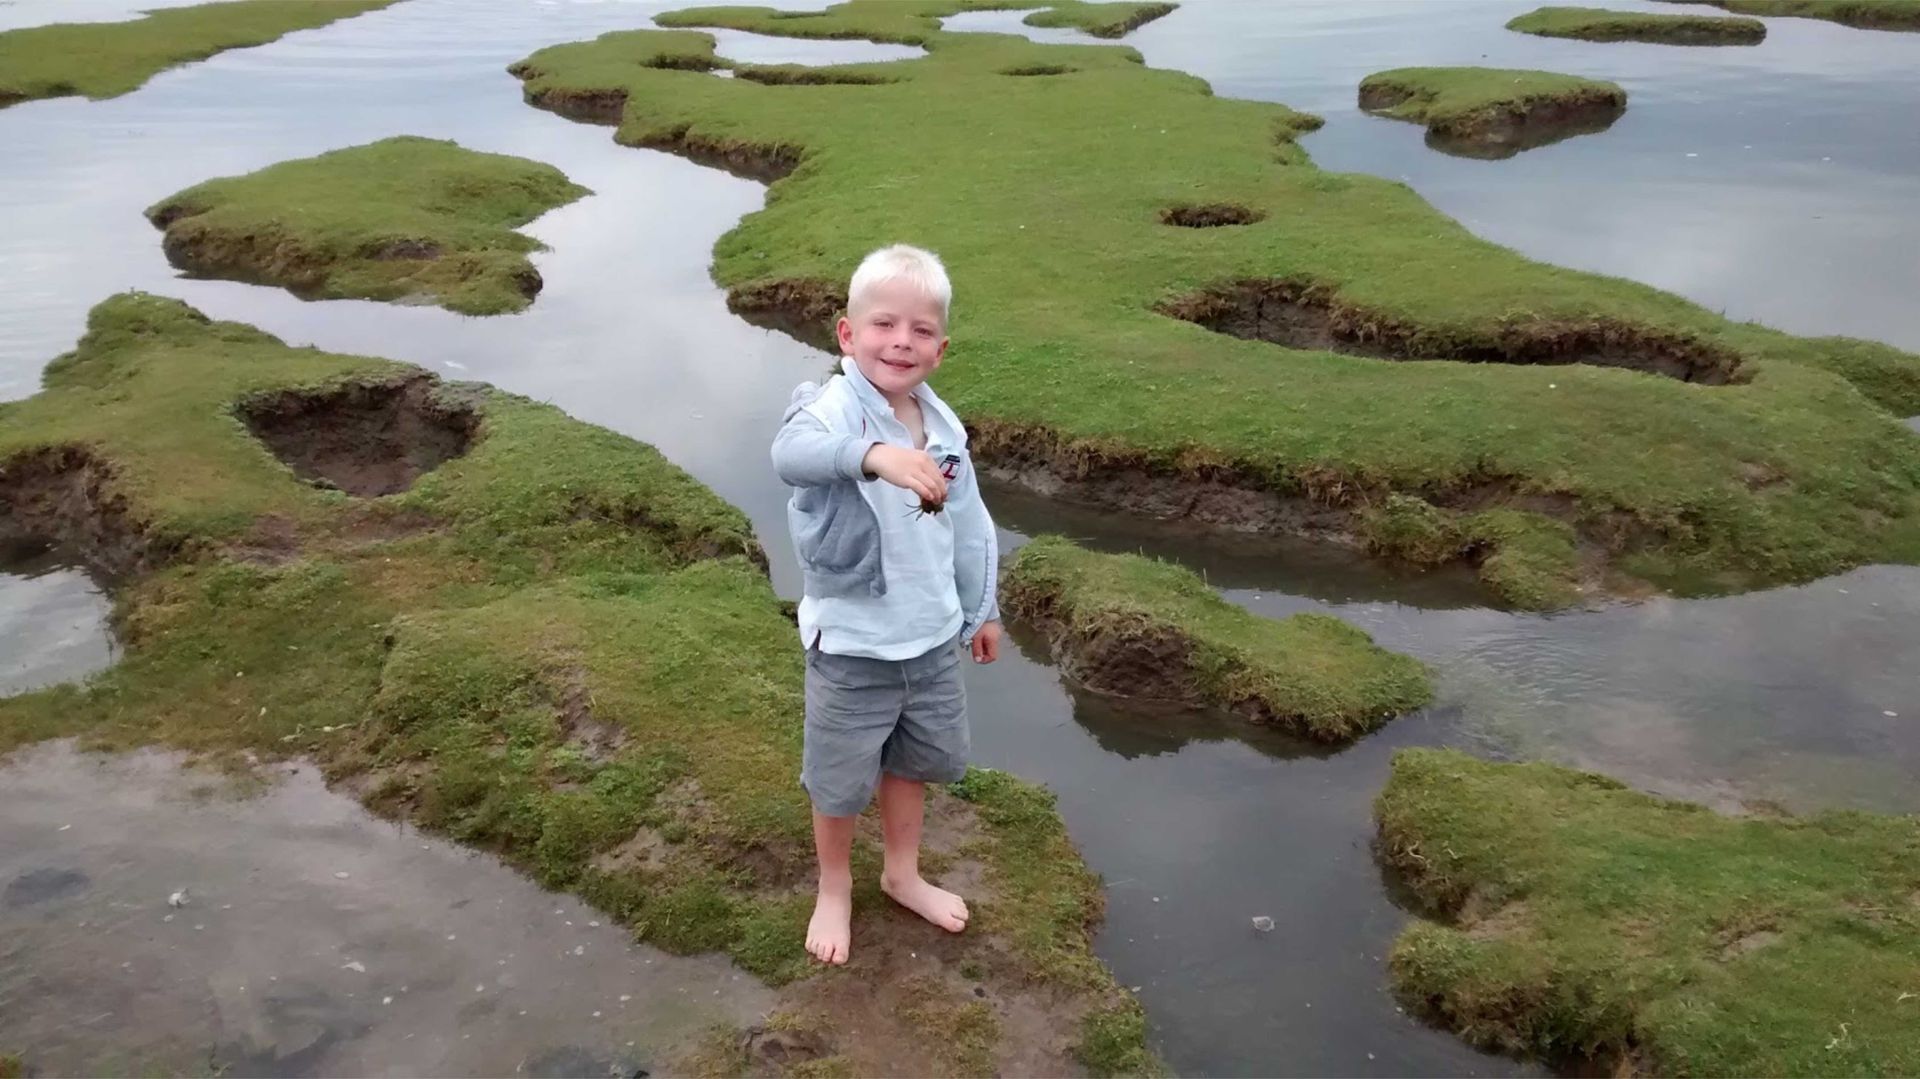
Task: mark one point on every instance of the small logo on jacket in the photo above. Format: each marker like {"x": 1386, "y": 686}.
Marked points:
{"x": 950, "y": 465}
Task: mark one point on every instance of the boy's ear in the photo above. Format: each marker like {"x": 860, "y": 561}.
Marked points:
{"x": 942, "y": 354}
{"x": 844, "y": 331}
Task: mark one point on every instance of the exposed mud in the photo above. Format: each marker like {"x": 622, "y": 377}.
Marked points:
{"x": 1503, "y": 131}
{"x": 1209, "y": 215}
{"x": 604, "y": 107}
{"x": 764, "y": 162}
{"x": 65, "y": 496}
{"x": 1304, "y": 315}
{"x": 1141, "y": 16}
{"x": 804, "y": 309}
{"x": 809, "y": 76}
{"x": 1325, "y": 507}
{"x": 365, "y": 438}
{"x": 1040, "y": 69}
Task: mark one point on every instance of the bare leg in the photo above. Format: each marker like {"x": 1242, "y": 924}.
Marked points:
{"x": 902, "y": 809}
{"x": 830, "y": 933}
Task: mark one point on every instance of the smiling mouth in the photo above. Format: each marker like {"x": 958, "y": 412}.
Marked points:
{"x": 897, "y": 364}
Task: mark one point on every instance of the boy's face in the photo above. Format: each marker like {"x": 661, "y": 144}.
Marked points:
{"x": 897, "y": 338}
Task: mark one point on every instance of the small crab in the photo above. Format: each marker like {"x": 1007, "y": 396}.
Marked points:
{"x": 925, "y": 506}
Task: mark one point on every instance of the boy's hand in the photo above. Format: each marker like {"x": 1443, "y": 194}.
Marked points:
{"x": 911, "y": 469}
{"x": 986, "y": 643}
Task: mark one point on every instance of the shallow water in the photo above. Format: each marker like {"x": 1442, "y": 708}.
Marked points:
{"x": 312, "y": 939}
{"x": 1198, "y": 823}
{"x": 53, "y": 620}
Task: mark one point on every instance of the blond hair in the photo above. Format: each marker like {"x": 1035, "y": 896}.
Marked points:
{"x": 901, "y": 262}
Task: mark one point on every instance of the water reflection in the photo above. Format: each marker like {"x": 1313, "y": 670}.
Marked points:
{"x": 53, "y": 620}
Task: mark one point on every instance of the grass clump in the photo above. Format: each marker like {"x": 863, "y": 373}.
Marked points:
{"x": 401, "y": 217}
{"x": 101, "y": 60}
{"x": 1486, "y": 112}
{"x": 554, "y": 645}
{"x": 1862, "y": 14}
{"x": 1068, "y": 369}
{"x": 1135, "y": 626}
{"x": 1582, "y": 920}
{"x": 1603, "y": 24}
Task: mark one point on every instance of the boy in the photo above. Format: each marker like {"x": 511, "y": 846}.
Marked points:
{"x": 899, "y": 560}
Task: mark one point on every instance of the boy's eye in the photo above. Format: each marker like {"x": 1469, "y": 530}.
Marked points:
{"x": 924, "y": 332}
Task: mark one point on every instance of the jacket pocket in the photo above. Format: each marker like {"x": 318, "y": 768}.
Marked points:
{"x": 832, "y": 528}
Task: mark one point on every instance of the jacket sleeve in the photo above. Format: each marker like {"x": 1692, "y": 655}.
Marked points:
{"x": 807, "y": 454}
{"x": 976, "y": 554}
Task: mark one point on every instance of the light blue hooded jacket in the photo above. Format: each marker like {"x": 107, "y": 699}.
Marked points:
{"x": 818, "y": 452}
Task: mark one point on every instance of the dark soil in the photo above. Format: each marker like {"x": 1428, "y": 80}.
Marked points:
{"x": 804, "y": 76}
{"x": 367, "y": 439}
{"x": 1303, "y": 315}
{"x": 802, "y": 308}
{"x": 65, "y": 496}
{"x": 1040, "y": 69}
{"x": 1209, "y": 215}
{"x": 586, "y": 106}
{"x": 1133, "y": 658}
{"x": 747, "y": 160}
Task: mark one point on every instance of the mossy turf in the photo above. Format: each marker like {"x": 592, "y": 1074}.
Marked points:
{"x": 1487, "y": 111}
{"x": 401, "y": 217}
{"x": 1062, "y": 264}
{"x": 1604, "y": 24}
{"x": 556, "y": 645}
{"x": 1100, "y": 20}
{"x": 1863, "y": 14}
{"x": 1585, "y": 920}
{"x": 113, "y": 58}
{"x": 1136, "y": 625}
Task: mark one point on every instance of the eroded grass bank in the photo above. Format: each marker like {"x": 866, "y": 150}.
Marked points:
{"x": 538, "y": 637}
{"x": 1255, "y": 373}
{"x": 1585, "y": 922}
{"x": 1493, "y": 112}
{"x": 1136, "y": 627}
{"x": 1606, "y": 24}
{"x": 393, "y": 219}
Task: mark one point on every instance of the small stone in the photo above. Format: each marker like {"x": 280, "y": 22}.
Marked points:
{"x": 449, "y": 936}
{"x": 354, "y": 965}
{"x": 579, "y": 949}
{"x": 596, "y": 1015}
{"x": 479, "y": 988}
{"x": 1891, "y": 715}
{"x": 178, "y": 899}
{"x": 593, "y": 925}
{"x": 342, "y": 875}
{"x": 1263, "y": 923}
{"x": 624, "y": 997}
{"x": 63, "y": 828}
{"x": 168, "y": 918}
{"x": 386, "y": 1000}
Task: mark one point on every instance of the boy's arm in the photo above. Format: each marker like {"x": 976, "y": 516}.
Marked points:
{"x": 807, "y": 454}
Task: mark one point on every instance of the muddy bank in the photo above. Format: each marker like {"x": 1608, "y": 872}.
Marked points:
{"x": 1306, "y": 315}
{"x": 1492, "y": 113}
{"x": 1136, "y": 628}
{"x": 67, "y": 495}
{"x": 310, "y": 938}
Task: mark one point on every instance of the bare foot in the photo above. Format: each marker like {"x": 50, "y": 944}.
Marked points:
{"x": 937, "y": 905}
{"x": 830, "y": 933}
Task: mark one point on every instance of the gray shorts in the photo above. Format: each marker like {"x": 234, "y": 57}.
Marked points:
{"x": 905, "y": 717}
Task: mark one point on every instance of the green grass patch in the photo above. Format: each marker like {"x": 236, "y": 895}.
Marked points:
{"x": 393, "y": 219}
{"x": 1604, "y": 24}
{"x": 1485, "y": 111}
{"x": 555, "y": 645}
{"x": 1583, "y": 920}
{"x": 108, "y": 59}
{"x": 1063, "y": 361}
{"x": 1137, "y": 626}
{"x": 1863, "y": 14}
